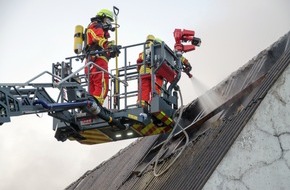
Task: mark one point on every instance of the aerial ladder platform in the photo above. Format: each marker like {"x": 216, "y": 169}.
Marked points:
{"x": 78, "y": 116}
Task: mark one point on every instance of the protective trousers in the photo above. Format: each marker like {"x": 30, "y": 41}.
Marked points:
{"x": 99, "y": 80}
{"x": 145, "y": 91}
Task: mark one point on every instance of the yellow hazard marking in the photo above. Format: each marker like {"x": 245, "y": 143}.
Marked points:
{"x": 164, "y": 118}
{"x": 137, "y": 128}
{"x": 131, "y": 116}
{"x": 147, "y": 129}
{"x": 159, "y": 115}
{"x": 151, "y": 129}
{"x": 93, "y": 136}
{"x": 168, "y": 121}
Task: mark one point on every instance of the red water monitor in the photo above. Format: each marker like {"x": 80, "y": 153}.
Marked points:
{"x": 182, "y": 36}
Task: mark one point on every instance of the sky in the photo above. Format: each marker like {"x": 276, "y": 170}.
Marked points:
{"x": 34, "y": 34}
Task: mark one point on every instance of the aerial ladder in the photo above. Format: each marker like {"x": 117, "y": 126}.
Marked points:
{"x": 78, "y": 116}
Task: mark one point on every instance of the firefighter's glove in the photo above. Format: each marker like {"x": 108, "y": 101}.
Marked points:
{"x": 110, "y": 43}
{"x": 188, "y": 67}
{"x": 112, "y": 47}
{"x": 114, "y": 51}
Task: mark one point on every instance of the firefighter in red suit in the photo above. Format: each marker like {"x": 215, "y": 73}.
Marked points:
{"x": 97, "y": 35}
{"x": 145, "y": 74}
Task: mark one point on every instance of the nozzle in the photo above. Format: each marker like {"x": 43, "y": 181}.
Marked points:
{"x": 188, "y": 74}
{"x": 196, "y": 41}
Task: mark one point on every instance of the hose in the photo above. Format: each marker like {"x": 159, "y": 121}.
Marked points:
{"x": 168, "y": 139}
{"x": 95, "y": 109}
{"x": 61, "y": 106}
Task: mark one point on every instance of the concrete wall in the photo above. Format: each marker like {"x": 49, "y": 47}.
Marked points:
{"x": 260, "y": 157}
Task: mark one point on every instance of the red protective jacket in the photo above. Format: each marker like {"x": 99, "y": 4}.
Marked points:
{"x": 97, "y": 39}
{"x": 97, "y": 36}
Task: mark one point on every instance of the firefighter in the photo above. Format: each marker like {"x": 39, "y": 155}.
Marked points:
{"x": 145, "y": 73}
{"x": 96, "y": 39}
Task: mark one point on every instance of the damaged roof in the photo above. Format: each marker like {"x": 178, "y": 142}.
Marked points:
{"x": 209, "y": 131}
